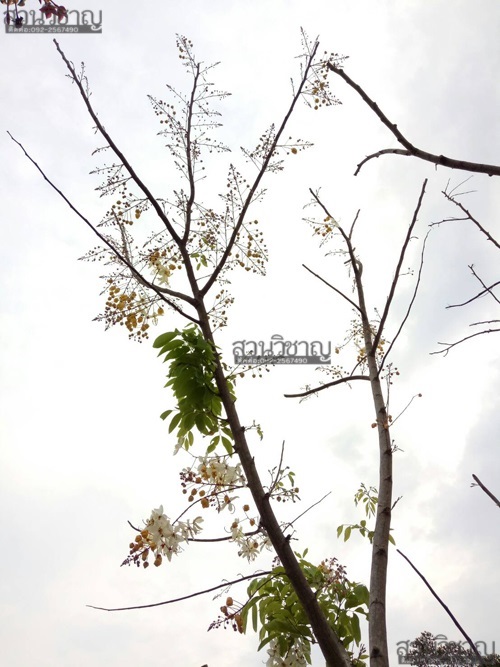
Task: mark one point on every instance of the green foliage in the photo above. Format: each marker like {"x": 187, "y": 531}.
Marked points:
{"x": 274, "y": 605}
{"x": 370, "y": 499}
{"x": 191, "y": 376}
{"x": 367, "y": 496}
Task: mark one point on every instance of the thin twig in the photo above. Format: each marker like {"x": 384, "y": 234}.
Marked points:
{"x": 446, "y": 608}
{"x": 392, "y": 291}
{"x": 273, "y": 484}
{"x": 486, "y": 490}
{"x": 405, "y": 408}
{"x": 472, "y": 219}
{"x": 189, "y": 158}
{"x": 488, "y": 289}
{"x": 140, "y": 184}
{"x": 353, "y": 223}
{"x": 450, "y": 345}
{"x": 355, "y": 305}
{"x": 184, "y": 597}
{"x": 309, "y": 508}
{"x": 475, "y": 324}
{"x": 327, "y": 385}
{"x": 410, "y": 306}
{"x": 262, "y": 171}
{"x": 491, "y": 170}
{"x": 114, "y": 250}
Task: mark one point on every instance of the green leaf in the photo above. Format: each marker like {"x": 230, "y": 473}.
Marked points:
{"x": 264, "y": 642}
{"x": 165, "y": 338}
{"x": 254, "y": 618}
{"x": 165, "y": 414}
{"x": 175, "y": 421}
{"x": 362, "y": 594}
{"x": 228, "y": 445}
{"x": 356, "y": 630}
{"x": 347, "y": 533}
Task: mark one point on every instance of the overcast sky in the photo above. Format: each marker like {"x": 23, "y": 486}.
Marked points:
{"x": 82, "y": 447}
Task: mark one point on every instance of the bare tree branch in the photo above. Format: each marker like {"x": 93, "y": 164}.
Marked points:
{"x": 189, "y": 158}
{"x": 450, "y": 345}
{"x": 353, "y": 223}
{"x": 486, "y": 490}
{"x": 309, "y": 508}
{"x": 474, "y": 324}
{"x": 114, "y": 250}
{"x": 471, "y": 218}
{"x": 410, "y": 306}
{"x": 326, "y": 386}
{"x": 491, "y": 170}
{"x": 184, "y": 597}
{"x": 140, "y": 184}
{"x": 392, "y": 291}
{"x": 377, "y": 627}
{"x": 486, "y": 289}
{"x": 355, "y": 305}
{"x": 447, "y": 609}
{"x": 262, "y": 171}
{"x": 479, "y": 294}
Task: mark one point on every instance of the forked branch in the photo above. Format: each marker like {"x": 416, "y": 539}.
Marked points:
{"x": 120, "y": 256}
{"x": 410, "y": 149}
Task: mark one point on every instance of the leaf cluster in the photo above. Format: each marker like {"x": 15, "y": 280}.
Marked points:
{"x": 191, "y": 377}
{"x": 369, "y": 497}
{"x": 274, "y": 605}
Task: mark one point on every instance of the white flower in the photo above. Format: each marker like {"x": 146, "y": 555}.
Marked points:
{"x": 215, "y": 470}
{"x": 195, "y": 526}
{"x": 236, "y": 531}
{"x": 166, "y": 538}
{"x": 294, "y": 658}
{"x": 249, "y": 548}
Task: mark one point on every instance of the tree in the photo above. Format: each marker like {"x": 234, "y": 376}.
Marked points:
{"x": 205, "y": 244}
{"x": 135, "y": 299}
{"x": 410, "y": 150}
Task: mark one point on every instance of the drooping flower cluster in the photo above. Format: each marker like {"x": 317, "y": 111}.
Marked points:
{"x": 216, "y": 470}
{"x": 250, "y": 545}
{"x": 295, "y": 657}
{"x": 161, "y": 538}
{"x": 212, "y": 481}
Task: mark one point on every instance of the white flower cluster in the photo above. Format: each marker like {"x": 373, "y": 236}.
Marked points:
{"x": 215, "y": 470}
{"x": 250, "y": 545}
{"x": 296, "y": 656}
{"x": 165, "y": 538}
